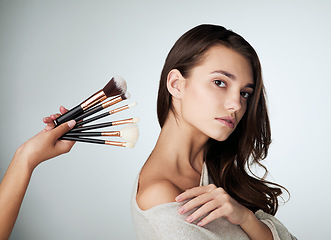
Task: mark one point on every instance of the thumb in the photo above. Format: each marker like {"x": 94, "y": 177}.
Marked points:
{"x": 63, "y": 128}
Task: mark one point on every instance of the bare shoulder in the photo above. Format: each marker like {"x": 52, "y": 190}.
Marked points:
{"x": 156, "y": 192}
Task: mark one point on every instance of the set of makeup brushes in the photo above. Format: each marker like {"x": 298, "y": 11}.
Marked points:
{"x": 116, "y": 90}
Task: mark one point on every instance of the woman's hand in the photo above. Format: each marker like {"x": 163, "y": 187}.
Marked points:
{"x": 213, "y": 201}
{"x": 41, "y": 147}
{"x": 45, "y": 144}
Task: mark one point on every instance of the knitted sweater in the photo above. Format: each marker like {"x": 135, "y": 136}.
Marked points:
{"x": 163, "y": 222}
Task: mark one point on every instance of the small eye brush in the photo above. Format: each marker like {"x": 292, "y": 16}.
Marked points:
{"x": 105, "y": 114}
{"x": 102, "y": 106}
{"x": 129, "y": 133}
{"x": 116, "y": 86}
{"x": 106, "y": 124}
{"x": 98, "y": 141}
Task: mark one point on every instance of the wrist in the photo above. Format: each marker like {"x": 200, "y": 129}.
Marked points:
{"x": 248, "y": 219}
{"x": 255, "y": 229}
{"x": 23, "y": 161}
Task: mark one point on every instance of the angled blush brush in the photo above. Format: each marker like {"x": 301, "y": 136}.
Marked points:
{"x": 106, "y": 124}
{"x": 99, "y": 141}
{"x": 129, "y": 133}
{"x": 102, "y": 106}
{"x": 116, "y": 86}
{"x": 105, "y": 114}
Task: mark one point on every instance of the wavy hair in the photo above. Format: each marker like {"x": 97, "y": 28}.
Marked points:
{"x": 229, "y": 161}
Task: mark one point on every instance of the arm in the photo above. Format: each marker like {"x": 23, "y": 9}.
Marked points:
{"x": 43, "y": 146}
{"x": 216, "y": 203}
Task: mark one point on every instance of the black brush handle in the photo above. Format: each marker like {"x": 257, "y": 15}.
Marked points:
{"x": 88, "y": 140}
{"x": 100, "y": 125}
{"x": 89, "y": 113}
{"x": 92, "y": 119}
{"x": 71, "y": 114}
{"x": 77, "y": 134}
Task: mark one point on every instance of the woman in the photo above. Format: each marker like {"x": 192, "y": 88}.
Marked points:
{"x": 213, "y": 118}
{"x": 43, "y": 146}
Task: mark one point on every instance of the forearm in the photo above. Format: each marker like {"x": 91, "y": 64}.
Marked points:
{"x": 12, "y": 191}
{"x": 256, "y": 229}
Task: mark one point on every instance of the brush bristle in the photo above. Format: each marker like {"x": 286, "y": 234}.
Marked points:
{"x": 135, "y": 119}
{"x": 116, "y": 86}
{"x": 130, "y": 133}
{"x": 125, "y": 96}
{"x": 129, "y": 145}
{"x": 132, "y": 104}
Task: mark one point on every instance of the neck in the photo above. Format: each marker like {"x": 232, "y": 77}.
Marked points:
{"x": 181, "y": 144}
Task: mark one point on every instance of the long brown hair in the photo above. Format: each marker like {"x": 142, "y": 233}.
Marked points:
{"x": 228, "y": 161}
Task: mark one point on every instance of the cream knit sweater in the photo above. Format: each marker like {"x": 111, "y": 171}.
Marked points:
{"x": 163, "y": 222}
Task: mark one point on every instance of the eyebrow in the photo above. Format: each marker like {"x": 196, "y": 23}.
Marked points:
{"x": 231, "y": 76}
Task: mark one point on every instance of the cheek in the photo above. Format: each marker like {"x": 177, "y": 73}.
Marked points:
{"x": 195, "y": 103}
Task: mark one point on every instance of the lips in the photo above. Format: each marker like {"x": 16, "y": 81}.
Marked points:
{"x": 227, "y": 121}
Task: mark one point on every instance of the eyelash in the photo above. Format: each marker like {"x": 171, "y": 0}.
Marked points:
{"x": 219, "y": 81}
{"x": 245, "y": 95}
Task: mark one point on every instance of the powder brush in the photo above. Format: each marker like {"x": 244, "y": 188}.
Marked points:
{"x": 129, "y": 133}
{"x": 102, "y": 106}
{"x": 106, "y": 124}
{"x": 105, "y": 114}
{"x": 116, "y": 86}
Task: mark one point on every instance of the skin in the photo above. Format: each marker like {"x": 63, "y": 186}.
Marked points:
{"x": 215, "y": 89}
{"x": 43, "y": 146}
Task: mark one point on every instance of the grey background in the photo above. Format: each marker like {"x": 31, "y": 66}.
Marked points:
{"x": 60, "y": 52}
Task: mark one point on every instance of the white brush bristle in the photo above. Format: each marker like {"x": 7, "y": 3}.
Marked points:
{"x": 132, "y": 104}
{"x": 129, "y": 145}
{"x": 130, "y": 133}
{"x": 127, "y": 95}
{"x": 120, "y": 83}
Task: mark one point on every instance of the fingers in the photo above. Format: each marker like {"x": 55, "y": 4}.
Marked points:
{"x": 193, "y": 192}
{"x": 204, "y": 209}
{"x": 195, "y": 202}
{"x": 50, "y": 121}
{"x": 207, "y": 200}
{"x": 50, "y": 124}
{"x": 210, "y": 217}
{"x": 63, "y": 128}
{"x": 62, "y": 146}
{"x": 63, "y": 110}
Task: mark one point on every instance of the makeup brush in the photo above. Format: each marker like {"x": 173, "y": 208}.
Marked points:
{"x": 98, "y": 141}
{"x": 106, "y": 114}
{"x": 106, "y": 124}
{"x": 129, "y": 133}
{"x": 116, "y": 86}
{"x": 102, "y": 106}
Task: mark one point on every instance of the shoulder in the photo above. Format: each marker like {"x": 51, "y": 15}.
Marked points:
{"x": 155, "y": 193}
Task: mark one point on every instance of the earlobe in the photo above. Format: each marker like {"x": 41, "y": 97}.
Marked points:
{"x": 175, "y": 82}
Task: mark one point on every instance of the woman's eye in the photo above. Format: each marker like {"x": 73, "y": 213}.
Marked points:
{"x": 245, "y": 94}
{"x": 220, "y": 83}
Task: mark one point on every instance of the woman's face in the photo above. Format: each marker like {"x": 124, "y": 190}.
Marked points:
{"x": 215, "y": 95}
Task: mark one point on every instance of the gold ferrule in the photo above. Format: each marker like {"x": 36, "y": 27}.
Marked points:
{"x": 94, "y": 99}
{"x": 111, "y": 134}
{"x": 113, "y": 143}
{"x": 112, "y": 102}
{"x": 118, "y": 109}
{"x": 120, "y": 122}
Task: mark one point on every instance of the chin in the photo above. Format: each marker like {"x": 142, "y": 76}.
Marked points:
{"x": 220, "y": 138}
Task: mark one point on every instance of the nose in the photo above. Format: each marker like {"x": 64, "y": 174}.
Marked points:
{"x": 232, "y": 102}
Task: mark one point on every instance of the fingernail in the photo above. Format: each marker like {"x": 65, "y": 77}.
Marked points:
{"x": 71, "y": 123}
{"x": 181, "y": 210}
{"x": 200, "y": 224}
{"x": 177, "y": 198}
{"x": 189, "y": 219}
